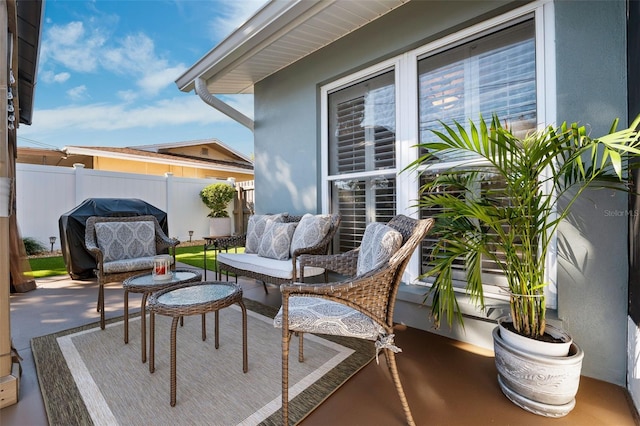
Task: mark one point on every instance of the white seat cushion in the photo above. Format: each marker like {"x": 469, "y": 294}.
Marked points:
{"x": 264, "y": 265}
{"x": 316, "y": 315}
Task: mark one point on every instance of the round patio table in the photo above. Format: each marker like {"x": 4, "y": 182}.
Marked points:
{"x": 194, "y": 299}
{"x": 145, "y": 284}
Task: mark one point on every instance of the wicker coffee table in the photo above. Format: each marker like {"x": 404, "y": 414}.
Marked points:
{"x": 194, "y": 299}
{"x": 145, "y": 284}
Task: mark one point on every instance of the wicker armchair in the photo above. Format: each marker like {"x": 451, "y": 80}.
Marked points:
{"x": 368, "y": 299}
{"x": 128, "y": 267}
{"x": 321, "y": 248}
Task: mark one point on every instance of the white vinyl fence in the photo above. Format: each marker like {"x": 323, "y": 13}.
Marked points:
{"x": 44, "y": 193}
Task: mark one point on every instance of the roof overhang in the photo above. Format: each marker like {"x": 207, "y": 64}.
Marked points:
{"x": 29, "y": 16}
{"x": 279, "y": 34}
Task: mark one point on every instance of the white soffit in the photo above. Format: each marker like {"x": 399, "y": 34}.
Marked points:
{"x": 279, "y": 34}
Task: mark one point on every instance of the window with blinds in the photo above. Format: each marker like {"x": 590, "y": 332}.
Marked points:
{"x": 492, "y": 74}
{"x": 362, "y": 152}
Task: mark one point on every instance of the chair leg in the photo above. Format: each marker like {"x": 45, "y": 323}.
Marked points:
{"x": 264, "y": 284}
{"x": 300, "y": 346}
{"x": 286, "y": 338}
{"x": 101, "y": 305}
{"x": 393, "y": 369}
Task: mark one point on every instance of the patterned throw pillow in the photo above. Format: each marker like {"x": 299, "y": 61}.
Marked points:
{"x": 255, "y": 229}
{"x": 379, "y": 243}
{"x": 276, "y": 240}
{"x": 126, "y": 240}
{"x": 310, "y": 231}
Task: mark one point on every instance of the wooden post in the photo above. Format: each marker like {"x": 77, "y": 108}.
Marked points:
{"x": 8, "y": 382}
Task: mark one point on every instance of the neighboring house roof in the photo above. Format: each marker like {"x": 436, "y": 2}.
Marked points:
{"x": 165, "y": 146}
{"x": 279, "y": 34}
{"x": 159, "y": 154}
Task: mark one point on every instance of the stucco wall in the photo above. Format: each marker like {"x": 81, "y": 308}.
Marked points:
{"x": 593, "y": 267}
{"x": 287, "y": 135}
{"x": 591, "y": 88}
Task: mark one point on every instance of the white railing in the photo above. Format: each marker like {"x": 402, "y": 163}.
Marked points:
{"x": 44, "y": 193}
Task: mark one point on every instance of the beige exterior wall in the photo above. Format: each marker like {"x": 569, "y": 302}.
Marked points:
{"x": 141, "y": 167}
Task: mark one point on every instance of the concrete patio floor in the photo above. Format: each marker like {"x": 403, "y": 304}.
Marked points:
{"x": 447, "y": 382}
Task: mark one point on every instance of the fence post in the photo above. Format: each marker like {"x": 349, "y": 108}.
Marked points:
{"x": 168, "y": 193}
{"x": 78, "y": 182}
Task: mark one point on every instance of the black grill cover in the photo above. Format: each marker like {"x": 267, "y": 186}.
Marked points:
{"x": 79, "y": 262}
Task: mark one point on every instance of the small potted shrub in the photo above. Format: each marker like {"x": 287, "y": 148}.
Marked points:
{"x": 217, "y": 197}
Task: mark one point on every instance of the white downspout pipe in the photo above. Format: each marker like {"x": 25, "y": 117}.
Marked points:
{"x": 210, "y": 99}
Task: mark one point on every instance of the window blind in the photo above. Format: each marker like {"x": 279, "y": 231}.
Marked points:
{"x": 362, "y": 139}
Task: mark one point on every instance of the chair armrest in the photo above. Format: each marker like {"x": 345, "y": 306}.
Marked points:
{"x": 92, "y": 247}
{"x": 163, "y": 242}
{"x": 233, "y": 241}
{"x": 344, "y": 263}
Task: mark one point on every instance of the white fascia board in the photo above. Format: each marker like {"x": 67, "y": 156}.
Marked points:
{"x": 154, "y": 147}
{"x": 274, "y": 18}
{"x": 132, "y": 157}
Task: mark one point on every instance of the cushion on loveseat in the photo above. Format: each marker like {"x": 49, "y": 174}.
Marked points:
{"x": 310, "y": 231}
{"x": 255, "y": 230}
{"x": 126, "y": 240}
{"x": 276, "y": 240}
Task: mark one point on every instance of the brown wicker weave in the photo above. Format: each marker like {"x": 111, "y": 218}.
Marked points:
{"x": 222, "y": 295}
{"x": 319, "y": 249}
{"x": 162, "y": 244}
{"x": 373, "y": 294}
{"x": 145, "y": 284}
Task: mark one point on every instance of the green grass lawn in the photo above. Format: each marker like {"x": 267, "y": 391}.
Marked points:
{"x": 194, "y": 255}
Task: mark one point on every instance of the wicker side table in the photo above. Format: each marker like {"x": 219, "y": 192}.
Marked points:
{"x": 145, "y": 284}
{"x": 194, "y": 299}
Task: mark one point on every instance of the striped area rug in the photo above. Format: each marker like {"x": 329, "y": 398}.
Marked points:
{"x": 89, "y": 376}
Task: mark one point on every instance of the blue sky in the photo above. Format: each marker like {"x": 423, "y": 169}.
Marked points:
{"x": 107, "y": 72}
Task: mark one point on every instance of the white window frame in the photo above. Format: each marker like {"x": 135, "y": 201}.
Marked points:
{"x": 407, "y": 134}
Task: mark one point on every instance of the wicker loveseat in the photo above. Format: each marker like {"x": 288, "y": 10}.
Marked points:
{"x": 273, "y": 244}
{"x": 123, "y": 247}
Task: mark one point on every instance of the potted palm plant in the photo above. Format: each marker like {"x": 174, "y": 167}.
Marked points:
{"x": 511, "y": 223}
{"x": 217, "y": 197}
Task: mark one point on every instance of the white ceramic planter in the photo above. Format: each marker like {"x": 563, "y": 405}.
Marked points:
{"x": 219, "y": 226}
{"x": 537, "y": 346}
{"x": 540, "y": 384}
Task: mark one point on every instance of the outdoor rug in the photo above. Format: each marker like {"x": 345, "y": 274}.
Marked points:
{"x": 89, "y": 376}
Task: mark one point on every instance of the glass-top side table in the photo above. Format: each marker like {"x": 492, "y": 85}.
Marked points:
{"x": 194, "y": 299}
{"x": 145, "y": 284}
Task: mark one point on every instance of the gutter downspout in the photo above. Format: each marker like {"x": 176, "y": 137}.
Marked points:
{"x": 210, "y": 99}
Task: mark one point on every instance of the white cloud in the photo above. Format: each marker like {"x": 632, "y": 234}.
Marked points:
{"x": 51, "y": 77}
{"x": 177, "y": 111}
{"x": 231, "y": 14}
{"x": 61, "y": 77}
{"x": 153, "y": 82}
{"x": 77, "y": 93}
{"x": 127, "y": 95}
{"x": 79, "y": 49}
{"x": 72, "y": 46}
